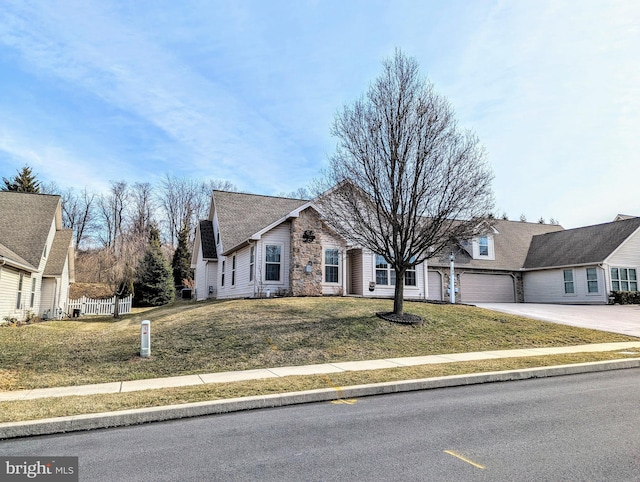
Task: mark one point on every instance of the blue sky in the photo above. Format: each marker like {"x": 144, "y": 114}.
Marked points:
{"x": 246, "y": 91}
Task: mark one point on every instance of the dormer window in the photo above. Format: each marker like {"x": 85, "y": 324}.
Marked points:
{"x": 44, "y": 251}
{"x": 483, "y": 246}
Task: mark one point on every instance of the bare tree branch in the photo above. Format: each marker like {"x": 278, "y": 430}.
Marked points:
{"x": 409, "y": 180}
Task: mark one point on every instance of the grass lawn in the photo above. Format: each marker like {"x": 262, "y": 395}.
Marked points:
{"x": 189, "y": 338}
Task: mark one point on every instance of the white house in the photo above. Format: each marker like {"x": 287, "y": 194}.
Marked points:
{"x": 36, "y": 255}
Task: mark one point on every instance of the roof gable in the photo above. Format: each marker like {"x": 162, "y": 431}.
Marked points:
{"x": 579, "y": 246}
{"x": 240, "y": 216}
{"x": 26, "y": 222}
{"x": 511, "y": 240}
{"x": 59, "y": 253}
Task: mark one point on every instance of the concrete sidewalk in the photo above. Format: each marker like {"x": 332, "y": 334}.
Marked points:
{"x": 326, "y": 368}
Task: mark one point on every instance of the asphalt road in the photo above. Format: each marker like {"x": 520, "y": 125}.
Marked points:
{"x": 579, "y": 427}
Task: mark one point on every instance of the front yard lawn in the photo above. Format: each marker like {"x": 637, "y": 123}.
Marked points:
{"x": 189, "y": 338}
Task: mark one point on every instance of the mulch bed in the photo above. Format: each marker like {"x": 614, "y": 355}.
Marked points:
{"x": 404, "y": 319}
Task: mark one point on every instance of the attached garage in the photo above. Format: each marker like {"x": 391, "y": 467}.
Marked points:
{"x": 487, "y": 288}
{"x": 435, "y": 286}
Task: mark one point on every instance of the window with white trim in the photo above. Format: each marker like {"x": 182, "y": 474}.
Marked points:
{"x": 569, "y": 287}
{"x": 624, "y": 279}
{"x": 483, "y": 246}
{"x": 385, "y": 276}
{"x": 19, "y": 300}
{"x": 252, "y": 260}
{"x": 33, "y": 293}
{"x": 592, "y": 281}
{"x": 222, "y": 280}
{"x": 272, "y": 265}
{"x": 233, "y": 270}
{"x": 331, "y": 265}
{"x": 410, "y": 277}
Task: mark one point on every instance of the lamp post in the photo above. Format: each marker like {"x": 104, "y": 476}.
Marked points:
{"x": 452, "y": 278}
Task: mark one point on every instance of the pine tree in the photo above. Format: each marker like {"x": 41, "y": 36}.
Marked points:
{"x": 25, "y": 181}
{"x": 181, "y": 263}
{"x": 154, "y": 284}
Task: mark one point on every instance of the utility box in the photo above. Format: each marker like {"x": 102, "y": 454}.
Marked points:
{"x": 145, "y": 339}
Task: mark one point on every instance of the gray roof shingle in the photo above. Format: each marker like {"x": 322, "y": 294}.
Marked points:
{"x": 10, "y": 256}
{"x": 511, "y": 245}
{"x": 59, "y": 252}
{"x": 589, "y": 244}
{"x": 240, "y": 216}
{"x": 207, "y": 240}
{"x": 25, "y": 220}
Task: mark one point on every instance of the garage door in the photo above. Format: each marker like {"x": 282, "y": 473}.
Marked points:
{"x": 487, "y": 288}
{"x": 435, "y": 286}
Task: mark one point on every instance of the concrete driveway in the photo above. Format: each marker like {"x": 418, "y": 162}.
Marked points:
{"x": 623, "y": 319}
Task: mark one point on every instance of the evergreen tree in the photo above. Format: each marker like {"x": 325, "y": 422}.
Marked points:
{"x": 154, "y": 284}
{"x": 181, "y": 263}
{"x": 25, "y": 181}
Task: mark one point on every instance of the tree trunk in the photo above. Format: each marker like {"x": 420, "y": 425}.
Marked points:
{"x": 116, "y": 307}
{"x": 398, "y": 297}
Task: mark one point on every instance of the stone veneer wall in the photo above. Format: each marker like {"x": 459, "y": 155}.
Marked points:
{"x": 302, "y": 283}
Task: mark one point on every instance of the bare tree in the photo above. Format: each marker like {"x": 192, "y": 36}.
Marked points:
{"x": 142, "y": 209}
{"x": 185, "y": 201}
{"x": 111, "y": 211}
{"x": 407, "y": 179}
{"x": 78, "y": 213}
{"x": 300, "y": 193}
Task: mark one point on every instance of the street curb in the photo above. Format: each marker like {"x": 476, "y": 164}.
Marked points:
{"x": 123, "y": 418}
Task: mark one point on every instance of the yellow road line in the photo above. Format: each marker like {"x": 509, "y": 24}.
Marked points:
{"x": 350, "y": 401}
{"x": 464, "y": 459}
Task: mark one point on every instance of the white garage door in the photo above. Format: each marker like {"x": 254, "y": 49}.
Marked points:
{"x": 435, "y": 286}
{"x": 487, "y": 288}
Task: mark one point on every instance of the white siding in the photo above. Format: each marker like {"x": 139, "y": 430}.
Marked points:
{"x": 547, "y": 286}
{"x": 48, "y": 293}
{"x": 356, "y": 282}
{"x": 388, "y": 291}
{"x": 8, "y": 291}
{"x": 242, "y": 288}
{"x": 63, "y": 295}
{"x": 626, "y": 256}
{"x": 205, "y": 276}
{"x": 331, "y": 242}
{"x": 280, "y": 235}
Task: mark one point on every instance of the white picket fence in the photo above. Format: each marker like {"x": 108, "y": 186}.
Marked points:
{"x": 90, "y": 306}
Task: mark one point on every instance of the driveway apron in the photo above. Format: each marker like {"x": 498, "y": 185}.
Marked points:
{"x": 624, "y": 319}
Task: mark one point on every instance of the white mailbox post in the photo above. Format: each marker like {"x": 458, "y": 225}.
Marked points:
{"x": 145, "y": 339}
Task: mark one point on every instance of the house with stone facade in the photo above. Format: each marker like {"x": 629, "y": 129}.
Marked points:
{"x": 258, "y": 246}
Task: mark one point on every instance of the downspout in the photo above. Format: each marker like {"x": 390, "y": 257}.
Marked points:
{"x": 344, "y": 271}
{"x": 425, "y": 277}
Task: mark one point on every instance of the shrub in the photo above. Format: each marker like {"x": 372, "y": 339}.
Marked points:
{"x": 626, "y": 297}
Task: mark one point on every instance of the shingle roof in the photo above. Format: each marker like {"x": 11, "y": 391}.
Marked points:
{"x": 12, "y": 257}
{"x": 207, "y": 240}
{"x": 511, "y": 245}
{"x": 59, "y": 252}
{"x": 590, "y": 244}
{"x": 25, "y": 220}
{"x": 242, "y": 215}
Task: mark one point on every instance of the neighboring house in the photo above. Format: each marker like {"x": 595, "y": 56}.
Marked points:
{"x": 255, "y": 246}
{"x": 584, "y": 265}
{"x": 36, "y": 255}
